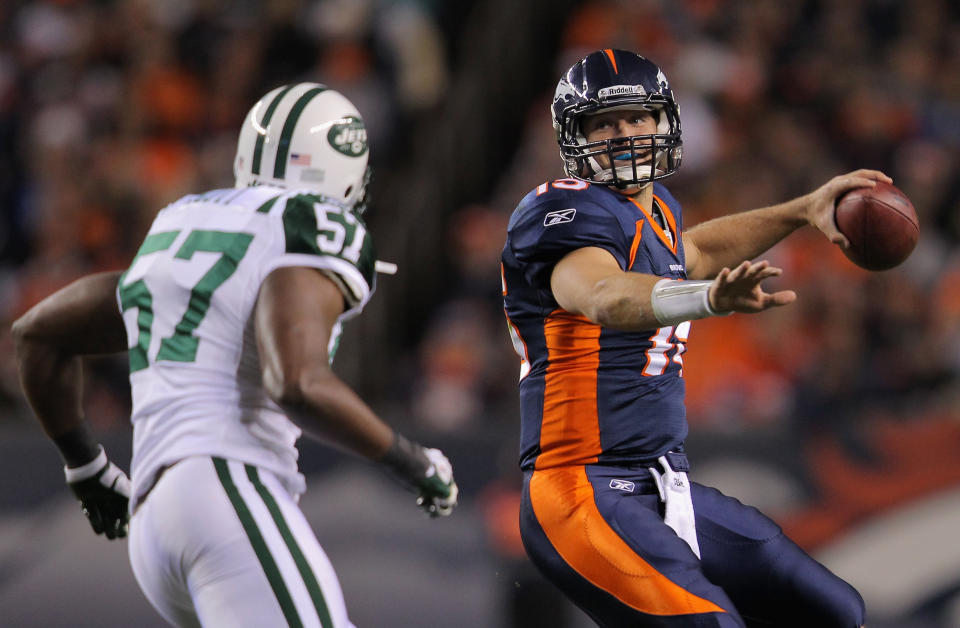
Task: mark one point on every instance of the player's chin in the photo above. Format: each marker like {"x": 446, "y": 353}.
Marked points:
{"x": 626, "y": 164}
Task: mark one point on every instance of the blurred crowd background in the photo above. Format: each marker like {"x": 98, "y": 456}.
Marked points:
{"x": 835, "y": 415}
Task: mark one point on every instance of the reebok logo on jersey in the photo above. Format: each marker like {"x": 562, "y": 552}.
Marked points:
{"x": 559, "y": 216}
{"x": 622, "y": 485}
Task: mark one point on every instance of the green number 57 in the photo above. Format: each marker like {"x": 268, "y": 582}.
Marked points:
{"x": 181, "y": 346}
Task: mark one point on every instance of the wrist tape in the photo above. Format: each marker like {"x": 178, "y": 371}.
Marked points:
{"x": 76, "y": 474}
{"x": 675, "y": 301}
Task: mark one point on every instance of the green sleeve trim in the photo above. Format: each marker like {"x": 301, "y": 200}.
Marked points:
{"x": 314, "y": 226}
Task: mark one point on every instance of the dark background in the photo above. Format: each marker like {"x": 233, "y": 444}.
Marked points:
{"x": 839, "y": 415}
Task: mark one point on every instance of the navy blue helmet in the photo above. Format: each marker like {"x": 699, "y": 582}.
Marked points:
{"x": 609, "y": 80}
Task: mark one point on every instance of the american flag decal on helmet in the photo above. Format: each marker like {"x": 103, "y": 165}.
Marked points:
{"x": 299, "y": 159}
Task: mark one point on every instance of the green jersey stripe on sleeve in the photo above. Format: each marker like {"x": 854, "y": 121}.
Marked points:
{"x": 315, "y": 226}
{"x": 266, "y": 207}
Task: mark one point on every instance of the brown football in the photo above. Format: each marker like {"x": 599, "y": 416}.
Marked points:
{"x": 881, "y": 225}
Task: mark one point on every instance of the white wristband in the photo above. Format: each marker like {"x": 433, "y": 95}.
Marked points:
{"x": 88, "y": 470}
{"x": 675, "y": 301}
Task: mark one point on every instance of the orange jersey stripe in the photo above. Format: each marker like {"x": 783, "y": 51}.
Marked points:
{"x": 671, "y": 223}
{"x": 634, "y": 246}
{"x": 562, "y": 499}
{"x": 570, "y": 432}
{"x": 613, "y": 60}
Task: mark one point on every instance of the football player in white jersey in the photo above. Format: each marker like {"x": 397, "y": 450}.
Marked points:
{"x": 231, "y": 314}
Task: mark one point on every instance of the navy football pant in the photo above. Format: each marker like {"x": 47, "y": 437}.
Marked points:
{"x": 597, "y": 532}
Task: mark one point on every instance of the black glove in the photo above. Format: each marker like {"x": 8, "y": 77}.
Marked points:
{"x": 427, "y": 472}
{"x": 438, "y": 491}
{"x": 104, "y": 493}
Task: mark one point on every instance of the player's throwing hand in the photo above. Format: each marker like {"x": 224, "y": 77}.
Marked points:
{"x": 823, "y": 200}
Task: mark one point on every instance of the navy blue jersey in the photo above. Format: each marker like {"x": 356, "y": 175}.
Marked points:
{"x": 590, "y": 394}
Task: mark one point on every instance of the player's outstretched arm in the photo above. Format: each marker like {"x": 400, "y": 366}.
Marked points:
{"x": 589, "y": 282}
{"x": 295, "y": 314}
{"x": 727, "y": 241}
{"x": 49, "y": 340}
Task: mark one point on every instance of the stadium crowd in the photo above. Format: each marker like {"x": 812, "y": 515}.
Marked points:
{"x": 109, "y": 110}
{"x": 841, "y": 390}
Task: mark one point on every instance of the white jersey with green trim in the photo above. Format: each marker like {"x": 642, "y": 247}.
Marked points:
{"x": 188, "y": 299}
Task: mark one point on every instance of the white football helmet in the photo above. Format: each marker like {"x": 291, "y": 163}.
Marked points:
{"x": 305, "y": 136}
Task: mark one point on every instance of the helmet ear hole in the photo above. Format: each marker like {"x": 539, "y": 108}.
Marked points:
{"x": 348, "y": 191}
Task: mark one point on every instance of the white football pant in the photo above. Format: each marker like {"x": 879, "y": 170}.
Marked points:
{"x": 218, "y": 543}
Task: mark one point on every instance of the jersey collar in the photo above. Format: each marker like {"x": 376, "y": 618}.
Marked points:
{"x": 671, "y": 222}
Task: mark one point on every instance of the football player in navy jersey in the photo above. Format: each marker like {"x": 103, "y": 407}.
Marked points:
{"x": 600, "y": 283}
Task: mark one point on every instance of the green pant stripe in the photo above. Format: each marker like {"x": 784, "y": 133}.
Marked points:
{"x": 259, "y": 545}
{"x": 283, "y": 146}
{"x": 261, "y": 137}
{"x": 309, "y": 579}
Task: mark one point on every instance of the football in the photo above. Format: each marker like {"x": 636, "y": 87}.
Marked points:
{"x": 881, "y": 225}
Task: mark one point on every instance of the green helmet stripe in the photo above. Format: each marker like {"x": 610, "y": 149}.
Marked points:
{"x": 283, "y": 147}
{"x": 261, "y": 137}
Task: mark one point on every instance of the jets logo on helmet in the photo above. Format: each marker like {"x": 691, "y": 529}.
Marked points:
{"x": 305, "y": 136}
{"x": 349, "y": 137}
{"x": 609, "y": 80}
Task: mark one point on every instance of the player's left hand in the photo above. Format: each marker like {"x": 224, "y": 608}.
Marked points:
{"x": 438, "y": 490}
{"x": 739, "y": 290}
{"x": 822, "y": 201}
{"x": 104, "y": 493}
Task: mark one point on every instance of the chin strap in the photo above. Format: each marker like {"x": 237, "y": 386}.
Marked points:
{"x": 625, "y": 172}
